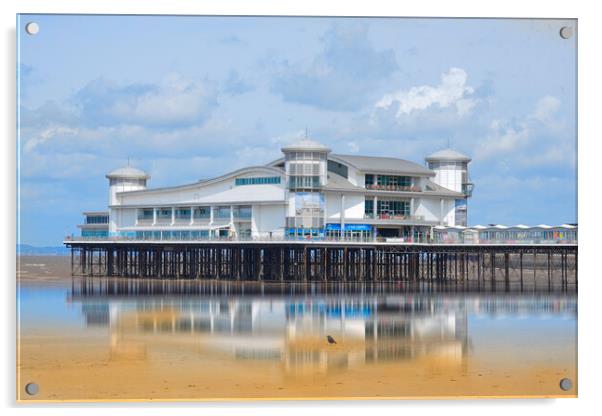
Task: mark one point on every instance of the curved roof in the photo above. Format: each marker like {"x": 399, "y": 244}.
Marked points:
{"x": 205, "y": 182}
{"x": 305, "y": 145}
{"x": 448, "y": 154}
{"x": 127, "y": 172}
{"x": 383, "y": 164}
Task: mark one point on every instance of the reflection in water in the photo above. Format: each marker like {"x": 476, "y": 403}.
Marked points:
{"x": 370, "y": 323}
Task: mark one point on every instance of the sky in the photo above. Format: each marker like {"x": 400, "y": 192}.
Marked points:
{"x": 191, "y": 97}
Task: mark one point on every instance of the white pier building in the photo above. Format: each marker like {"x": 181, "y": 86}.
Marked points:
{"x": 308, "y": 193}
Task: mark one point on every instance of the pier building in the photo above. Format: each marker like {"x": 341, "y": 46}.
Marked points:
{"x": 310, "y": 192}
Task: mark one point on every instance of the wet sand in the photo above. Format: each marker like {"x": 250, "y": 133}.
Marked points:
{"x": 43, "y": 270}
{"x": 87, "y": 369}
{"x": 112, "y": 364}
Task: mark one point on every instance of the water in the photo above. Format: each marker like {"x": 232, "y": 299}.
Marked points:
{"x": 108, "y": 339}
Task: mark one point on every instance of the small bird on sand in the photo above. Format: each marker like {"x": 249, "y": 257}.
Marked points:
{"x": 330, "y": 339}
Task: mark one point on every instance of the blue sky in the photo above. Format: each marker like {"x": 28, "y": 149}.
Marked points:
{"x": 193, "y": 97}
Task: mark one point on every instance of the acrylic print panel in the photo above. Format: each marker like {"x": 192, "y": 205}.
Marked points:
{"x": 223, "y": 208}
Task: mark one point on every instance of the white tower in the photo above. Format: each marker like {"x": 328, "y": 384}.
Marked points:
{"x": 451, "y": 172}
{"x": 306, "y": 166}
{"x": 122, "y": 180}
{"x": 125, "y": 179}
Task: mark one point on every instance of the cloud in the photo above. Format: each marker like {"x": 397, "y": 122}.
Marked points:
{"x": 344, "y": 76}
{"x": 537, "y": 139}
{"x": 174, "y": 101}
{"x": 546, "y": 108}
{"x": 451, "y": 92}
{"x": 235, "y": 85}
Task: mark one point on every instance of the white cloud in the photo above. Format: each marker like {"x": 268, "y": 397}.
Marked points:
{"x": 537, "y": 139}
{"x": 452, "y": 91}
{"x": 344, "y": 76}
{"x": 174, "y": 101}
{"x": 46, "y": 135}
{"x": 546, "y": 108}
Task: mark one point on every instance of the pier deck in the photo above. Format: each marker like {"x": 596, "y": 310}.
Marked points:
{"x": 324, "y": 261}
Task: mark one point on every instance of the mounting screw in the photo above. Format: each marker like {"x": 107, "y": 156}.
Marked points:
{"x": 566, "y": 32}
{"x": 31, "y": 389}
{"x": 32, "y": 28}
{"x": 566, "y": 384}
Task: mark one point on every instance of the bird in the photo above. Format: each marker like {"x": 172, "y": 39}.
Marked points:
{"x": 330, "y": 339}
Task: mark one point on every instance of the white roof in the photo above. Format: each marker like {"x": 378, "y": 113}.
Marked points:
{"x": 127, "y": 172}
{"x": 305, "y": 145}
{"x": 448, "y": 154}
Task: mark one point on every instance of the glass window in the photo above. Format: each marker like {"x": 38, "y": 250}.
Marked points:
{"x": 145, "y": 214}
{"x": 183, "y": 213}
{"x": 222, "y": 212}
{"x": 258, "y": 181}
{"x": 164, "y": 213}
{"x": 202, "y": 212}
{"x": 243, "y": 211}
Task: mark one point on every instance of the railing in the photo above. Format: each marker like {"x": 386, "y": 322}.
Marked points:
{"x": 405, "y": 240}
{"x": 395, "y": 217}
{"x": 393, "y": 188}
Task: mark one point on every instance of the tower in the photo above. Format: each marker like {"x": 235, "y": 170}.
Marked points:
{"x": 451, "y": 172}
{"x": 125, "y": 179}
{"x": 305, "y": 163}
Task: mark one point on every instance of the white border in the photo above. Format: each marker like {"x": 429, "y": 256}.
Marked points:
{"x": 590, "y": 71}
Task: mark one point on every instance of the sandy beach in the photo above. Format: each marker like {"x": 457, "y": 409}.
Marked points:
{"x": 119, "y": 362}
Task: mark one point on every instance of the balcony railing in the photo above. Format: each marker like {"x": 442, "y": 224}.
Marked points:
{"x": 393, "y": 188}
{"x": 408, "y": 240}
{"x": 393, "y": 217}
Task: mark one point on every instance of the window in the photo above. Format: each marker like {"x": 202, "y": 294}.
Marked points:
{"x": 183, "y": 213}
{"x": 95, "y": 233}
{"x": 164, "y": 213}
{"x": 388, "y": 181}
{"x": 222, "y": 212}
{"x": 145, "y": 214}
{"x": 338, "y": 168}
{"x": 97, "y": 219}
{"x": 304, "y": 182}
{"x": 272, "y": 180}
{"x": 202, "y": 212}
{"x": 386, "y": 208}
{"x": 244, "y": 212}
{"x": 369, "y": 207}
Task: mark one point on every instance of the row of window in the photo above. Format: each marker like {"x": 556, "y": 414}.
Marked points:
{"x": 97, "y": 219}
{"x": 184, "y": 213}
{"x": 385, "y": 207}
{"x": 388, "y": 180}
{"x": 303, "y": 182}
{"x": 305, "y": 156}
{"x": 438, "y": 165}
{"x": 304, "y": 168}
{"x": 172, "y": 235}
{"x": 95, "y": 233}
{"x": 272, "y": 180}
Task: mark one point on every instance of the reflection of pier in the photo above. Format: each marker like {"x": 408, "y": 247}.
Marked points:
{"x": 322, "y": 261}
{"x": 291, "y": 330}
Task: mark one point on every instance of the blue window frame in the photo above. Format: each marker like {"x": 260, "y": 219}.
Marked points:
{"x": 272, "y": 180}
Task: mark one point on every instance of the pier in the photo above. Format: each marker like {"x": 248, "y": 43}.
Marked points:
{"x": 323, "y": 261}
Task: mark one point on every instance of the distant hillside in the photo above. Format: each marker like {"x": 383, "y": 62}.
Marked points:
{"x": 29, "y": 250}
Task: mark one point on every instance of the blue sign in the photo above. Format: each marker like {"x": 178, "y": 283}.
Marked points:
{"x": 349, "y": 227}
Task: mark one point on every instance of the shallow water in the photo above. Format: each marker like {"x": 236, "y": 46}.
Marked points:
{"x": 100, "y": 339}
